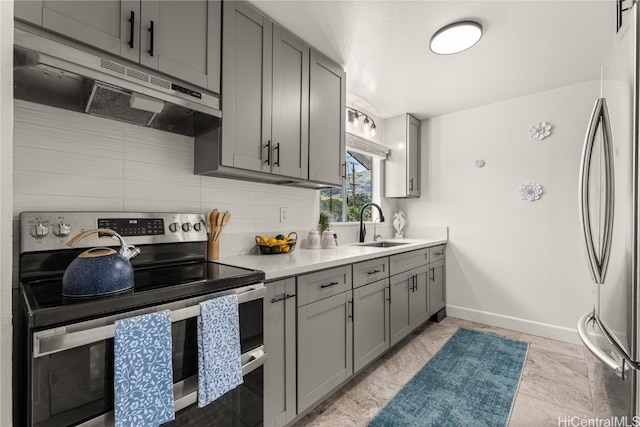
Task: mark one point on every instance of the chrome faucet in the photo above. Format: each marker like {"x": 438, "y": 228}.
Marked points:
{"x": 376, "y": 236}
{"x": 363, "y": 229}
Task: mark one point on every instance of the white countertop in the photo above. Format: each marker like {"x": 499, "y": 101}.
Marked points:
{"x": 302, "y": 261}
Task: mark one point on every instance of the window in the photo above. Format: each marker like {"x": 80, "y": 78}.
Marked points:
{"x": 357, "y": 187}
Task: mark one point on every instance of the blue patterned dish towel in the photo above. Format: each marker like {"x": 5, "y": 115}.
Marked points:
{"x": 143, "y": 374}
{"x": 219, "y": 364}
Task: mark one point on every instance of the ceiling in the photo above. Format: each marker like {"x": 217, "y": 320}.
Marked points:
{"x": 527, "y": 47}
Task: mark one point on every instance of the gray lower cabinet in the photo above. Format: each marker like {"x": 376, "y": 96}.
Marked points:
{"x": 437, "y": 287}
{"x": 280, "y": 346}
{"x": 370, "y": 323}
{"x": 325, "y": 347}
{"x": 409, "y": 302}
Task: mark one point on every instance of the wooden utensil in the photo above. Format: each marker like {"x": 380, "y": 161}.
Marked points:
{"x": 225, "y": 220}
{"x": 219, "y": 218}
{"x": 213, "y": 220}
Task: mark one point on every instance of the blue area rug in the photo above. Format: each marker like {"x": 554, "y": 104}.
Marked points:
{"x": 471, "y": 381}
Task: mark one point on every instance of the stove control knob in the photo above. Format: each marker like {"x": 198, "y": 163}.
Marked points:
{"x": 197, "y": 226}
{"x": 39, "y": 230}
{"x": 173, "y": 227}
{"x": 62, "y": 230}
{"x": 186, "y": 226}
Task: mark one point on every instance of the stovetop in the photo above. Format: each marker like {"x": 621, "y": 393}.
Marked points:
{"x": 45, "y": 306}
{"x": 171, "y": 265}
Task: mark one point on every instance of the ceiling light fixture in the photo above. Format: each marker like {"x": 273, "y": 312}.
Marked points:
{"x": 369, "y": 125}
{"x": 455, "y": 37}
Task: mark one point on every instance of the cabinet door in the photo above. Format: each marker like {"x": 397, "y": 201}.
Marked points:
{"x": 326, "y": 120}
{"x": 174, "y": 38}
{"x": 400, "y": 317}
{"x": 370, "y": 323}
{"x": 280, "y": 346}
{"x": 413, "y": 156}
{"x": 290, "y": 123}
{"x": 437, "y": 287}
{"x": 246, "y": 87}
{"x": 103, "y": 24}
{"x": 325, "y": 347}
{"x": 419, "y": 296}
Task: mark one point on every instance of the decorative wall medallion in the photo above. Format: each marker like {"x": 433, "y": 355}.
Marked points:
{"x": 479, "y": 163}
{"x": 530, "y": 191}
{"x": 540, "y": 131}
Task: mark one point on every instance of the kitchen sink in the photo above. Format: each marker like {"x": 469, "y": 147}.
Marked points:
{"x": 383, "y": 244}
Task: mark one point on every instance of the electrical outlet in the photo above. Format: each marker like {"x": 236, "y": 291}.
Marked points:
{"x": 284, "y": 214}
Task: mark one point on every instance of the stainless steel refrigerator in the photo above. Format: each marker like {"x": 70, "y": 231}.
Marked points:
{"x": 609, "y": 215}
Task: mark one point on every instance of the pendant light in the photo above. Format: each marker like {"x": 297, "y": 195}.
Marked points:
{"x": 455, "y": 37}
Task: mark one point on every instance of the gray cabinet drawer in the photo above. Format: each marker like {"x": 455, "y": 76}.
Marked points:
{"x": 408, "y": 260}
{"x": 369, "y": 271}
{"x": 323, "y": 284}
{"x": 436, "y": 253}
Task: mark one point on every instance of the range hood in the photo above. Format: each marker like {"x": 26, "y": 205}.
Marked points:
{"x": 60, "y": 75}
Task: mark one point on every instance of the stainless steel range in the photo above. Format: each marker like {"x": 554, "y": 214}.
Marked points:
{"x": 64, "y": 362}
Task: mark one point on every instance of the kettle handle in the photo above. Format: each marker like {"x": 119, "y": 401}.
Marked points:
{"x": 74, "y": 241}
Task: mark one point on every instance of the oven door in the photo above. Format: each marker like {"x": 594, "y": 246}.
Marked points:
{"x": 71, "y": 375}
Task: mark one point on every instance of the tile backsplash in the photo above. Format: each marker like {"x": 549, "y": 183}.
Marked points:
{"x": 71, "y": 161}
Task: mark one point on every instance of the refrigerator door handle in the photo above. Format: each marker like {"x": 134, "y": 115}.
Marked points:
{"x": 619, "y": 368}
{"x": 598, "y": 261}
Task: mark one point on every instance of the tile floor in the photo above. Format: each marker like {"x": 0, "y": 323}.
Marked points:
{"x": 558, "y": 380}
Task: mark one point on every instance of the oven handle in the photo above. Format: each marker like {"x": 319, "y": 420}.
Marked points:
{"x": 71, "y": 336}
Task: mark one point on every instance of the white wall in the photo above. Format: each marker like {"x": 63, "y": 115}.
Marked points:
{"x": 6, "y": 124}
{"x": 510, "y": 262}
{"x": 71, "y": 161}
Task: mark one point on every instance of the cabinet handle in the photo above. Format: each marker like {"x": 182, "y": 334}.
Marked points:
{"x": 277, "y": 162}
{"x": 410, "y": 184}
{"x": 281, "y": 298}
{"x": 350, "y": 316}
{"x": 433, "y": 274}
{"x": 387, "y": 293}
{"x": 437, "y": 253}
{"x": 150, "y": 51}
{"x": 132, "y": 21}
{"x": 344, "y": 170}
{"x": 330, "y": 284}
{"x": 374, "y": 271}
{"x": 413, "y": 283}
{"x": 268, "y": 147}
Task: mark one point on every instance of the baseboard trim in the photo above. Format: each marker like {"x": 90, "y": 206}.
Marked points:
{"x": 516, "y": 324}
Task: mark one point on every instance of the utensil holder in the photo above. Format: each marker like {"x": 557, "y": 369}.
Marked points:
{"x": 213, "y": 250}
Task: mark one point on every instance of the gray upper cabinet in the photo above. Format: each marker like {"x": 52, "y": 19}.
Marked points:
{"x": 181, "y": 39}
{"x": 246, "y": 88}
{"x": 290, "y": 110}
{"x": 280, "y": 346}
{"x": 402, "y": 167}
{"x": 327, "y": 153}
{"x": 178, "y": 38}
{"x": 265, "y": 95}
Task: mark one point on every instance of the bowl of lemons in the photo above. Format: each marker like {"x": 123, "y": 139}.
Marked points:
{"x": 279, "y": 244}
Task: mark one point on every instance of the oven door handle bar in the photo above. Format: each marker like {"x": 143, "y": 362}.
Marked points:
{"x": 67, "y": 337}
